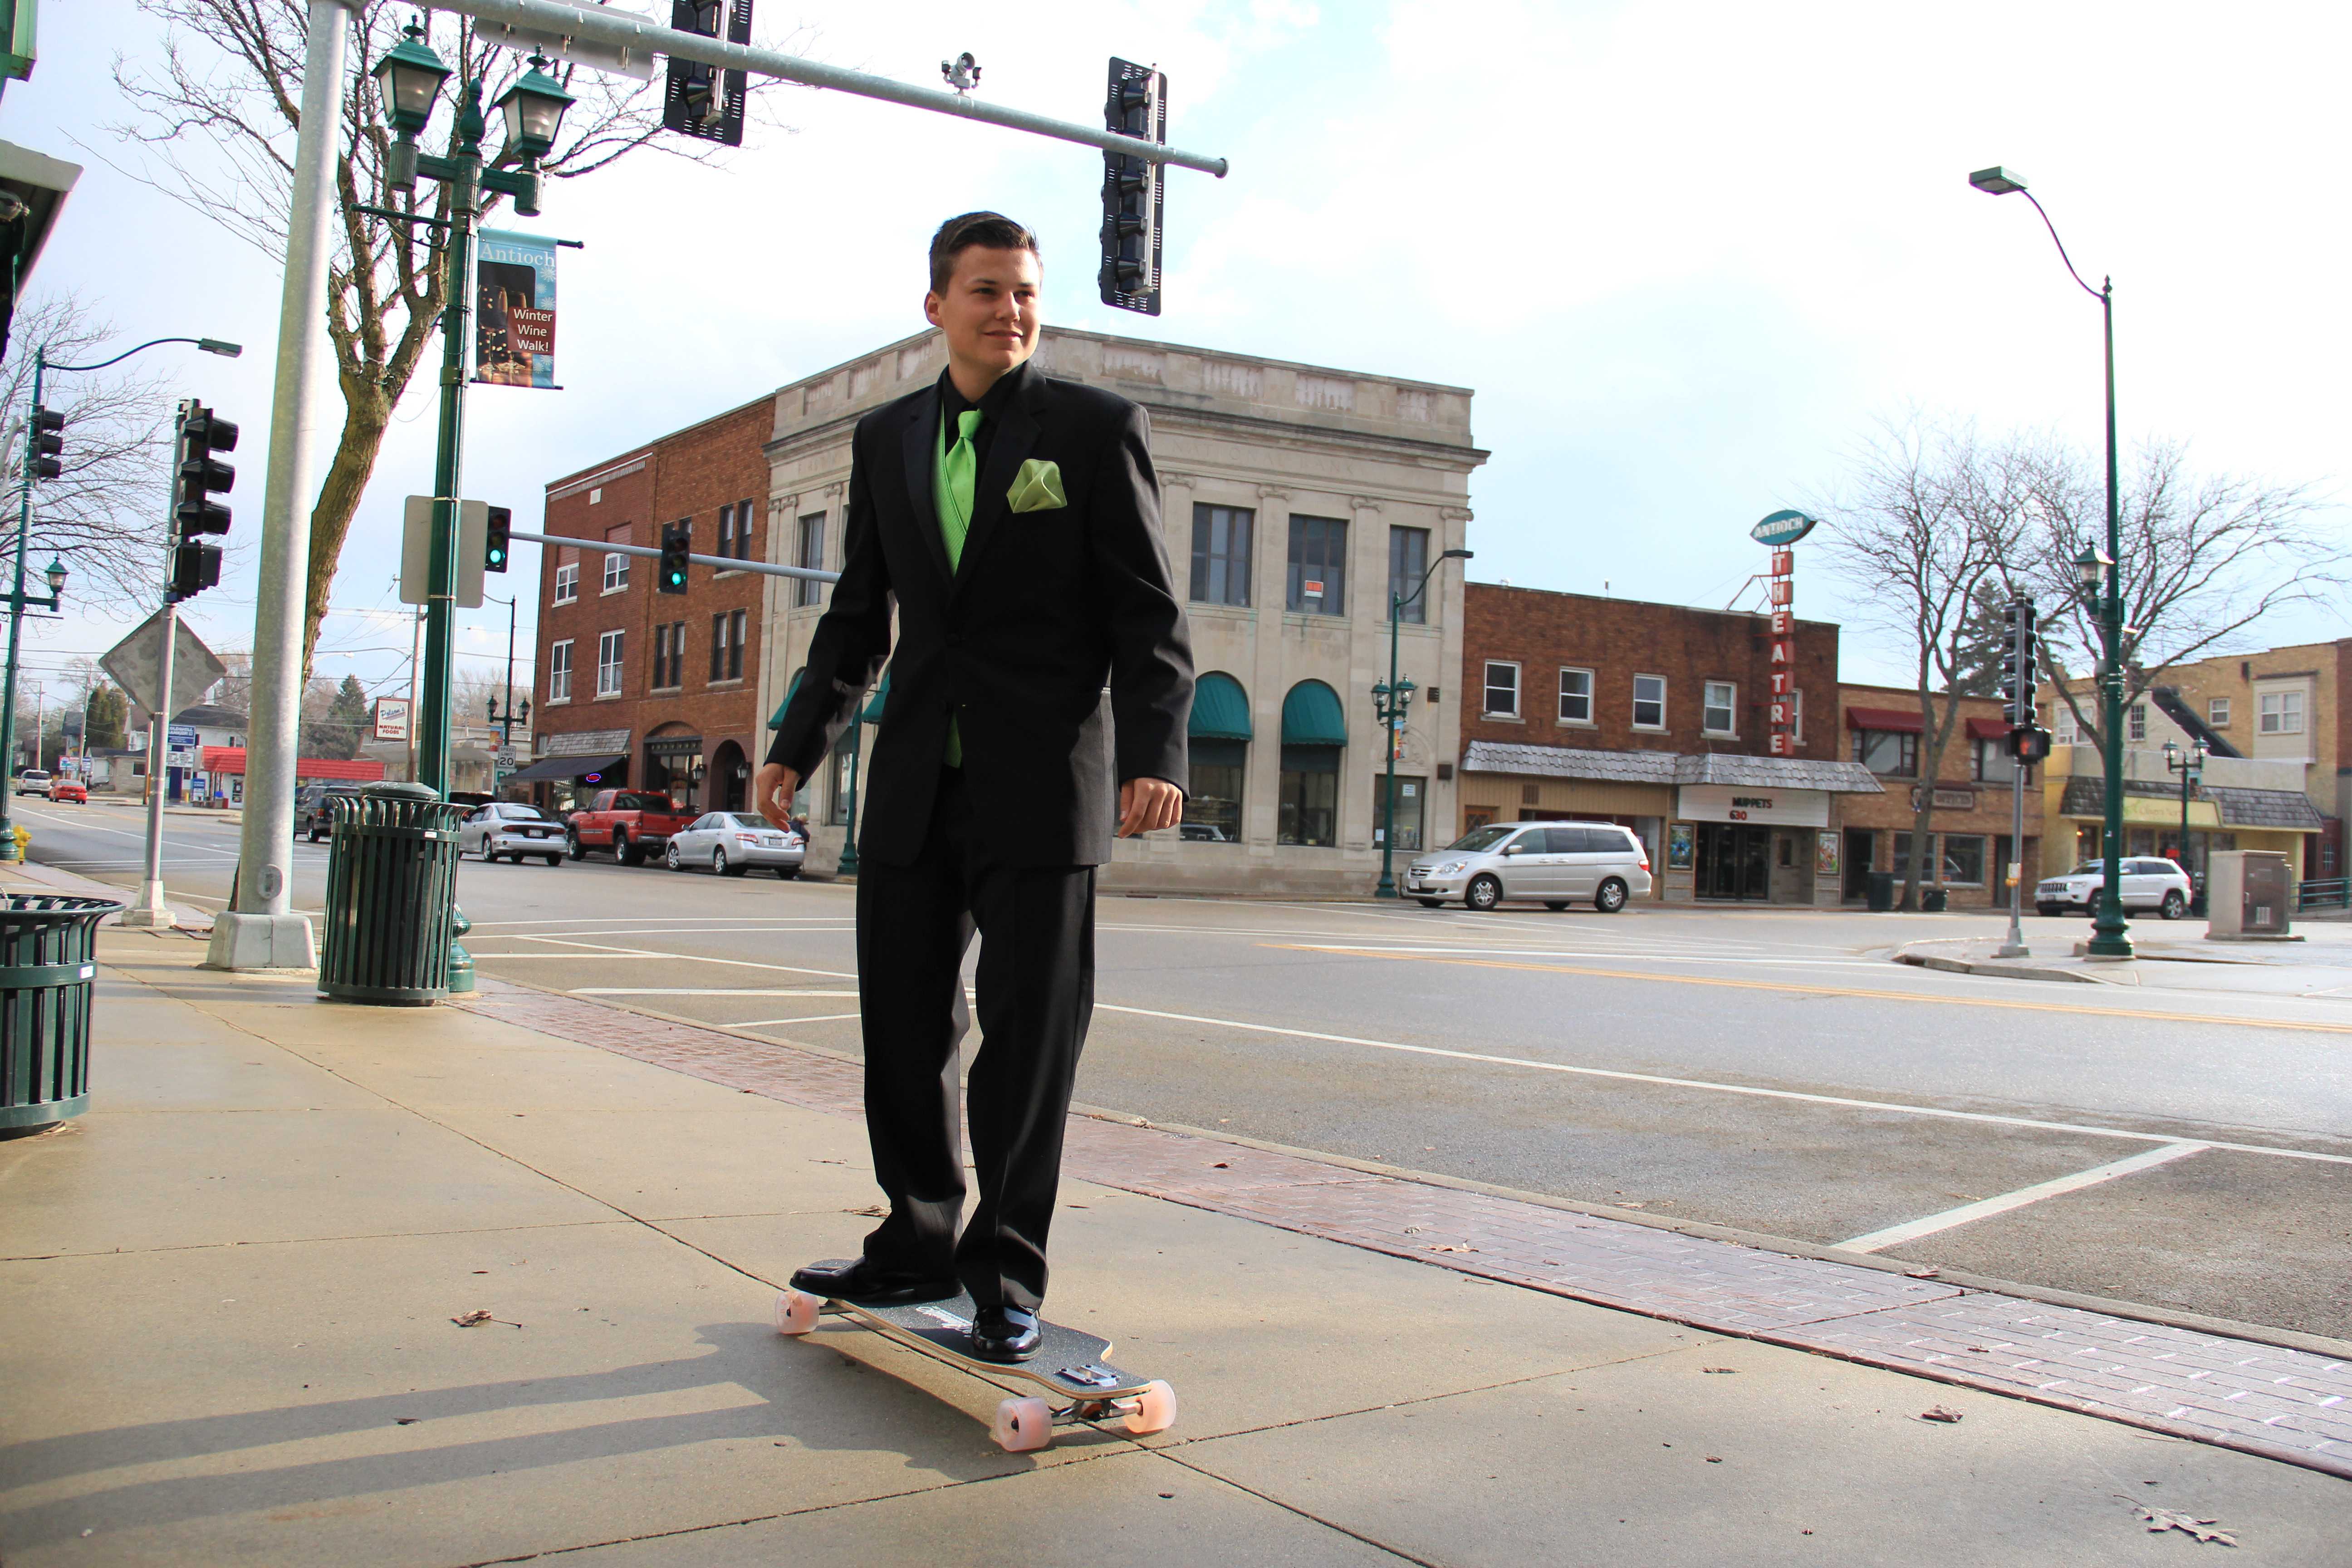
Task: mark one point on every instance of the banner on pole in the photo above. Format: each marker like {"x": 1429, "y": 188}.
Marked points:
{"x": 514, "y": 311}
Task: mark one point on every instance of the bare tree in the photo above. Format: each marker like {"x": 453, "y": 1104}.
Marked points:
{"x": 104, "y": 515}
{"x": 217, "y": 117}
{"x": 1920, "y": 532}
{"x": 2203, "y": 559}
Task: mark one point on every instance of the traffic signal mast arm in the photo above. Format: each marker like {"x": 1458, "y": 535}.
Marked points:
{"x": 650, "y": 553}
{"x": 623, "y": 31}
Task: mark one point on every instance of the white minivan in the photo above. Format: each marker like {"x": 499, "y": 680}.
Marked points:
{"x": 1554, "y": 864}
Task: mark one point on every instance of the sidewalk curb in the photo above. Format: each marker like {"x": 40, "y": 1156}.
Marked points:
{"x": 2001, "y": 969}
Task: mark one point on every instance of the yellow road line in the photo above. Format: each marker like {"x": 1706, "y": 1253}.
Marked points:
{"x": 1802, "y": 989}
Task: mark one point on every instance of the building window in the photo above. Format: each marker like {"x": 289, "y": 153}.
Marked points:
{"x": 1221, "y": 553}
{"x": 1992, "y": 764}
{"x": 1719, "y": 707}
{"x": 727, "y": 630}
{"x": 567, "y": 575}
{"x": 810, "y": 554}
{"x": 1964, "y": 859}
{"x": 1889, "y": 754}
{"x": 2217, "y": 712}
{"x": 1412, "y": 792}
{"x": 735, "y": 530}
{"x": 1212, "y": 811}
{"x": 608, "y": 665}
{"x": 559, "y": 672}
{"x": 2138, "y": 729}
{"x": 837, "y": 805}
{"x": 1408, "y": 565}
{"x": 1576, "y": 697}
{"x": 1648, "y": 702}
{"x": 1319, "y": 565}
{"x": 2068, "y": 733}
{"x": 1308, "y": 810}
{"x": 2282, "y": 713}
{"x": 1502, "y": 690}
{"x": 616, "y": 567}
{"x": 669, "y": 656}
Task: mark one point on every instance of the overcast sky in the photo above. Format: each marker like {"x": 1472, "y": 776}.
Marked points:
{"x": 1684, "y": 255}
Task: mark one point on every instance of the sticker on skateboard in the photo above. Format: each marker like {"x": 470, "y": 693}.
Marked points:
{"x": 1068, "y": 1362}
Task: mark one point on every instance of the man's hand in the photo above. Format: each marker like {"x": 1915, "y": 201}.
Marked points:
{"x": 1145, "y": 804}
{"x": 772, "y": 790}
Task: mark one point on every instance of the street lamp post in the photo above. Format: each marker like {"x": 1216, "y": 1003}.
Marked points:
{"x": 2110, "y": 934}
{"x": 2190, "y": 765}
{"x": 18, "y": 600}
{"x": 1390, "y": 699}
{"x": 409, "y": 79}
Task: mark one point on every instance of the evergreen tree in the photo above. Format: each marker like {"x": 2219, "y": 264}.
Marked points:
{"x": 1983, "y": 635}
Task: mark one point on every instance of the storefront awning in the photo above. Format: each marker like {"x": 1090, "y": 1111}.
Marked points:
{"x": 1311, "y": 716}
{"x": 1220, "y": 709}
{"x": 354, "y": 769}
{"x": 552, "y": 768}
{"x": 1900, "y": 720}
{"x": 776, "y": 720}
{"x": 1987, "y": 729}
{"x": 881, "y": 697}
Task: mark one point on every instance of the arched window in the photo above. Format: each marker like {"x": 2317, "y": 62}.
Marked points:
{"x": 1219, "y": 748}
{"x": 1314, "y": 733}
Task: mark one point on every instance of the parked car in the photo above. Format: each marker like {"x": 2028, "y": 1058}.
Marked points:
{"x": 313, "y": 818}
{"x": 628, "y": 822}
{"x": 511, "y": 829}
{"x": 2145, "y": 882}
{"x": 733, "y": 842}
{"x": 73, "y": 790}
{"x": 33, "y": 781}
{"x": 1551, "y": 863}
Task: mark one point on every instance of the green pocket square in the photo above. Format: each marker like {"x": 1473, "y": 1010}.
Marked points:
{"x": 1037, "y": 487}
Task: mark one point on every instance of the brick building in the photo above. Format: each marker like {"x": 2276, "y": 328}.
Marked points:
{"x": 656, "y": 690}
{"x": 1655, "y": 716}
{"x": 1969, "y": 845}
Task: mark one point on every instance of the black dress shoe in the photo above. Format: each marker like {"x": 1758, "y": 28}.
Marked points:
{"x": 1004, "y": 1333}
{"x": 863, "y": 1280}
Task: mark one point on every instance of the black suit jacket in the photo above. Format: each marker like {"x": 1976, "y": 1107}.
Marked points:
{"x": 1059, "y": 644}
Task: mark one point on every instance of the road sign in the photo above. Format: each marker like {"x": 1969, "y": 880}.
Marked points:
{"x": 132, "y": 662}
{"x": 391, "y": 717}
{"x": 417, "y": 550}
{"x": 180, "y": 736}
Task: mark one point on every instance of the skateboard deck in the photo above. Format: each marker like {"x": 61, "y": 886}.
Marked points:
{"x": 1068, "y": 1362}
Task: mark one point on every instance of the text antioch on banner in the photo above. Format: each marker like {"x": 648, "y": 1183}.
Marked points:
{"x": 514, "y": 311}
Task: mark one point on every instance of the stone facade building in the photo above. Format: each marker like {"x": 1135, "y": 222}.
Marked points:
{"x": 1654, "y": 716}
{"x": 636, "y": 686}
{"x": 1295, "y": 499}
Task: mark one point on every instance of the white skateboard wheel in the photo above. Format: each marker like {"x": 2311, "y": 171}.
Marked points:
{"x": 796, "y": 1313}
{"x": 1023, "y": 1425}
{"x": 1155, "y": 1409}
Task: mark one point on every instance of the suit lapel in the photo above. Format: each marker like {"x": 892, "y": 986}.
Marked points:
{"x": 919, "y": 443}
{"x": 1015, "y": 442}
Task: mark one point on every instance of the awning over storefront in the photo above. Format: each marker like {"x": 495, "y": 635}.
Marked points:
{"x": 549, "y": 769}
{"x": 1901, "y": 721}
{"x": 1220, "y": 709}
{"x": 2281, "y": 810}
{"x": 354, "y": 769}
{"x": 1311, "y": 716}
{"x": 1987, "y": 729}
{"x": 776, "y": 720}
{"x": 881, "y": 699}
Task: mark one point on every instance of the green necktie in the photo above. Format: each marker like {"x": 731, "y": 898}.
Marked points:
{"x": 954, "y": 477}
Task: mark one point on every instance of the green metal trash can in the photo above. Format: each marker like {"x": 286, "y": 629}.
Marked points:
{"x": 1880, "y": 893}
{"x": 392, "y": 879}
{"x": 48, "y": 960}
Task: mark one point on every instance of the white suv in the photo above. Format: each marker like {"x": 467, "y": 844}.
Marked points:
{"x": 1550, "y": 863}
{"x": 2146, "y": 883}
{"x": 32, "y": 781}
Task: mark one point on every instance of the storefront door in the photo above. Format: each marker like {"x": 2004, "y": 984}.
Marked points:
{"x": 1734, "y": 861}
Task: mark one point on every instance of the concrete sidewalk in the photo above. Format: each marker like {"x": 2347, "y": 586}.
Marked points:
{"x": 232, "y": 1287}
{"x": 2166, "y": 958}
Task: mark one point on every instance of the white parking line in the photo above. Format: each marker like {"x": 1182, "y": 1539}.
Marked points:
{"x": 1911, "y": 1230}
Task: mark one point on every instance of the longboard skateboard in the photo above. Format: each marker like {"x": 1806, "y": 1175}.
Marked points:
{"x": 1068, "y": 1363}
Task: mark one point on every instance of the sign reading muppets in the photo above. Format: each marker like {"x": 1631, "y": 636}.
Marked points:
{"x": 1781, "y": 532}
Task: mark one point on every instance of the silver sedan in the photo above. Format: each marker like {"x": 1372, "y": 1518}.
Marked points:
{"x": 510, "y": 829}
{"x": 733, "y": 842}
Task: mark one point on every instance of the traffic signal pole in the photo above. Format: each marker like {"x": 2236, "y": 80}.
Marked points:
{"x": 151, "y": 909}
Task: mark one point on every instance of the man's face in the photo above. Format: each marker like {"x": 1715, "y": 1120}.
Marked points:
{"x": 988, "y": 312}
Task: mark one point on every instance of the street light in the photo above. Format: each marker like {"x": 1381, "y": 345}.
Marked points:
{"x": 2110, "y": 935}
{"x": 2190, "y": 765}
{"x": 1390, "y": 699}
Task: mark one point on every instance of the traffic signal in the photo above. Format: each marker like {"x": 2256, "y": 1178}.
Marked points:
{"x": 495, "y": 541}
{"x": 2018, "y": 676}
{"x": 1131, "y": 190}
{"x": 702, "y": 101}
{"x": 195, "y": 566}
{"x": 676, "y": 540}
{"x": 203, "y": 432}
{"x": 48, "y": 443}
{"x": 2029, "y": 743}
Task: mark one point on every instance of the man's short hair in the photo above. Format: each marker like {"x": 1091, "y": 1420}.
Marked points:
{"x": 992, "y": 231}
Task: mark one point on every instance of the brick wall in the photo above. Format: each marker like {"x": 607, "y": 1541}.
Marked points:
{"x": 1617, "y": 639}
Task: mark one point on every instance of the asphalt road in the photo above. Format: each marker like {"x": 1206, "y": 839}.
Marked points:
{"x": 1760, "y": 1069}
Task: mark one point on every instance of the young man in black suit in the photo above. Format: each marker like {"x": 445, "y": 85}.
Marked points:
{"x": 1040, "y": 690}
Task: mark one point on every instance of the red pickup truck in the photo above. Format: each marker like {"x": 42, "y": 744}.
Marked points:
{"x": 628, "y": 822}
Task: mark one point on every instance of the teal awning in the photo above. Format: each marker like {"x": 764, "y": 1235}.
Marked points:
{"x": 881, "y": 695}
{"x": 776, "y": 720}
{"x": 1220, "y": 709}
{"x": 1311, "y": 716}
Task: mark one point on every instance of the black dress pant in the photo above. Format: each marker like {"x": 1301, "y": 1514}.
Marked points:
{"x": 1035, "y": 990}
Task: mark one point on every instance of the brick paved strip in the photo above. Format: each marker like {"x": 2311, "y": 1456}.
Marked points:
{"x": 2281, "y": 1403}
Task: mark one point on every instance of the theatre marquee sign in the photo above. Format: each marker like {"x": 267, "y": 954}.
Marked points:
{"x": 1736, "y": 802}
